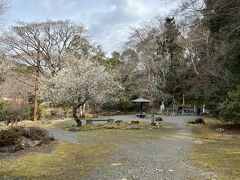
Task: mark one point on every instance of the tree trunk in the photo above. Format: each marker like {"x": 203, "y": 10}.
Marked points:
{"x": 36, "y": 87}
{"x": 82, "y": 110}
{"x": 78, "y": 121}
{"x": 35, "y": 108}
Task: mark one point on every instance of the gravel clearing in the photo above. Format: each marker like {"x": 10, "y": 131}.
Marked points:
{"x": 164, "y": 158}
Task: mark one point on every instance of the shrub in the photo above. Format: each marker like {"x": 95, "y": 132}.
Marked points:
{"x": 229, "y": 109}
{"x": 51, "y": 113}
{"x": 36, "y": 134}
{"x": 39, "y": 112}
{"x": 17, "y": 138}
{"x": 1, "y": 106}
{"x": 135, "y": 122}
{"x": 14, "y": 113}
{"x": 9, "y": 137}
{"x": 31, "y": 106}
{"x": 119, "y": 121}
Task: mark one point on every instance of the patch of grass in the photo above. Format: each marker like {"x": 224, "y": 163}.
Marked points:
{"x": 66, "y": 161}
{"x": 118, "y": 136}
{"x": 222, "y": 153}
{"x": 122, "y": 126}
{"x": 52, "y": 124}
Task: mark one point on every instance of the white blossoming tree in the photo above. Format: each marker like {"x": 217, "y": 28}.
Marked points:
{"x": 81, "y": 80}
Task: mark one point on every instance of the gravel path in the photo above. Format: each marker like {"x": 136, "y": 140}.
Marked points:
{"x": 164, "y": 158}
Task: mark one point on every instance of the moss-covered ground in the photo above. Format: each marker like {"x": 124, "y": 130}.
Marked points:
{"x": 65, "y": 161}
{"x": 220, "y": 151}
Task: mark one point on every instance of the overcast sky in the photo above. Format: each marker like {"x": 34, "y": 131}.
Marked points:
{"x": 108, "y": 21}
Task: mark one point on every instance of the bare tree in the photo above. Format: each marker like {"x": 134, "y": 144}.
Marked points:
{"x": 152, "y": 66}
{"x": 3, "y": 10}
{"x": 43, "y": 46}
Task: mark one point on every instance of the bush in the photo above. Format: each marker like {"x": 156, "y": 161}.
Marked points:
{"x": 51, "y": 113}
{"x": 14, "y": 113}
{"x": 135, "y": 122}
{"x": 124, "y": 104}
{"x": 31, "y": 106}
{"x": 36, "y": 134}
{"x": 1, "y": 106}
{"x": 17, "y": 138}
{"x": 39, "y": 112}
{"x": 230, "y": 108}
{"x": 9, "y": 137}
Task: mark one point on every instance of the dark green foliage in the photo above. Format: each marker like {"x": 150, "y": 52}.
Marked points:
{"x": 199, "y": 94}
{"x": 123, "y": 104}
{"x": 232, "y": 60}
{"x": 126, "y": 105}
{"x": 39, "y": 113}
{"x": 31, "y": 106}
{"x": 216, "y": 22}
{"x": 168, "y": 45}
{"x": 230, "y": 108}
{"x": 223, "y": 21}
{"x": 9, "y": 137}
{"x": 2, "y": 105}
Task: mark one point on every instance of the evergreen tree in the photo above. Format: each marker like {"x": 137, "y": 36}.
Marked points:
{"x": 169, "y": 47}
{"x": 222, "y": 19}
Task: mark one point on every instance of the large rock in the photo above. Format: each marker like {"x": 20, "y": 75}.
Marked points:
{"x": 25, "y": 143}
{"x": 199, "y": 121}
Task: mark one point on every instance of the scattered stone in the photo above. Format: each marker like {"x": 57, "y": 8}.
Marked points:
{"x": 116, "y": 164}
{"x": 153, "y": 124}
{"x": 220, "y": 130}
{"x": 108, "y": 127}
{"x": 158, "y": 119}
{"x": 172, "y": 114}
{"x": 209, "y": 141}
{"x": 46, "y": 121}
{"x": 133, "y": 127}
{"x": 110, "y": 121}
{"x": 160, "y": 170}
{"x": 119, "y": 121}
{"x": 134, "y": 122}
{"x": 198, "y": 142}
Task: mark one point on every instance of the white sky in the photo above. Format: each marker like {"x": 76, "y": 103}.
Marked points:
{"x": 108, "y": 21}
